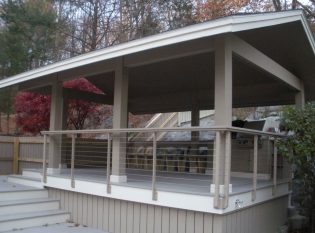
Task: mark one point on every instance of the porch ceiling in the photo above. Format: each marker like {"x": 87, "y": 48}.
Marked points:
{"x": 287, "y": 45}
{"x": 174, "y": 71}
{"x": 183, "y": 83}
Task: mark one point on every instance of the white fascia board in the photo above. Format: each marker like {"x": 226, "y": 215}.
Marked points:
{"x": 207, "y": 29}
{"x": 308, "y": 32}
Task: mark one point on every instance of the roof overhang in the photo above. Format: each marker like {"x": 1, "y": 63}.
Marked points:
{"x": 191, "y": 44}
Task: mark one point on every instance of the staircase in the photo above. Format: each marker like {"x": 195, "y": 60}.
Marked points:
{"x": 160, "y": 120}
{"x": 24, "y": 206}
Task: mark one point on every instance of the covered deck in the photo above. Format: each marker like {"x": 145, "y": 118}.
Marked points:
{"x": 233, "y": 62}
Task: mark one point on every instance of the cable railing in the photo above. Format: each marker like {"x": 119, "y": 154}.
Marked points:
{"x": 210, "y": 161}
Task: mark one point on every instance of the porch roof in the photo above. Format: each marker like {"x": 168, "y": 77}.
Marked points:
{"x": 174, "y": 71}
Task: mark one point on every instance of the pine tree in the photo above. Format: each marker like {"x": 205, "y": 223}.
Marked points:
{"x": 27, "y": 35}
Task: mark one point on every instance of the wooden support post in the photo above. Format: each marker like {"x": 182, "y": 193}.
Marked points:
{"x": 154, "y": 192}
{"x": 227, "y": 168}
{"x": 120, "y": 121}
{"x": 216, "y": 167}
{"x": 108, "y": 163}
{"x": 56, "y": 117}
{"x": 255, "y": 167}
{"x": 275, "y": 166}
{"x": 223, "y": 87}
{"x": 44, "y": 175}
{"x": 300, "y": 97}
{"x": 194, "y": 159}
{"x": 72, "y": 160}
{"x": 16, "y": 152}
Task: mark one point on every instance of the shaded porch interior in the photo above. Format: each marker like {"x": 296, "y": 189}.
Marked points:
{"x": 182, "y": 84}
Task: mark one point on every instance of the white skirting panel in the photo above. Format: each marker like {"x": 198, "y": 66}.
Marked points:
{"x": 118, "y": 216}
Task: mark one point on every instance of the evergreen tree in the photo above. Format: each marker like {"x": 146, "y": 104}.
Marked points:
{"x": 27, "y": 35}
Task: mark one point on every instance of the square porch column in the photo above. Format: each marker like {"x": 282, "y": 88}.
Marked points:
{"x": 120, "y": 120}
{"x": 300, "y": 97}
{"x": 223, "y": 114}
{"x": 195, "y": 121}
{"x": 56, "y": 123}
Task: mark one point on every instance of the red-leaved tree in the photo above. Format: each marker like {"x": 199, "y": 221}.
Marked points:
{"x": 33, "y": 110}
{"x": 80, "y": 112}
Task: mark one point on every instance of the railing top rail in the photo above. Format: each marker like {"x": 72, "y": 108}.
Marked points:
{"x": 174, "y": 129}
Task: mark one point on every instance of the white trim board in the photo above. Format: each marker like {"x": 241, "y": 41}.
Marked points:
{"x": 202, "y": 203}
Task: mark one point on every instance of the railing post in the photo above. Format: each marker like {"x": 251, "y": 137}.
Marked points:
{"x": 227, "y": 168}
{"x": 275, "y": 165}
{"x": 72, "y": 160}
{"x": 108, "y": 163}
{"x": 44, "y": 175}
{"x": 255, "y": 167}
{"x": 154, "y": 192}
{"x": 16, "y": 155}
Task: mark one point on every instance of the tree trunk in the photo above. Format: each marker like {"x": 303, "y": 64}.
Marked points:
{"x": 294, "y": 4}
{"x": 277, "y": 5}
{"x": 95, "y": 25}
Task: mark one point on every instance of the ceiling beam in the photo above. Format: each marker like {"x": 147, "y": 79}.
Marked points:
{"x": 254, "y": 56}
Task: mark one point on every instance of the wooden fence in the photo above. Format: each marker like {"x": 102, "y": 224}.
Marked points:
{"x": 18, "y": 153}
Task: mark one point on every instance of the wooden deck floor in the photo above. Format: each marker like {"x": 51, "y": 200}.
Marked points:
{"x": 198, "y": 184}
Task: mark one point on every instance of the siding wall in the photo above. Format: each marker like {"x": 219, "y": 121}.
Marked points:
{"x": 117, "y": 216}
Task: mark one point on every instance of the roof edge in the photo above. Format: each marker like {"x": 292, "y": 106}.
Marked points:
{"x": 223, "y": 25}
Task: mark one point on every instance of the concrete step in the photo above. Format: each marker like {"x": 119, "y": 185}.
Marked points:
{"x": 23, "y": 194}
{"x": 32, "y": 173}
{"x": 28, "y": 181}
{"x": 24, "y": 220}
{"x": 28, "y": 205}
